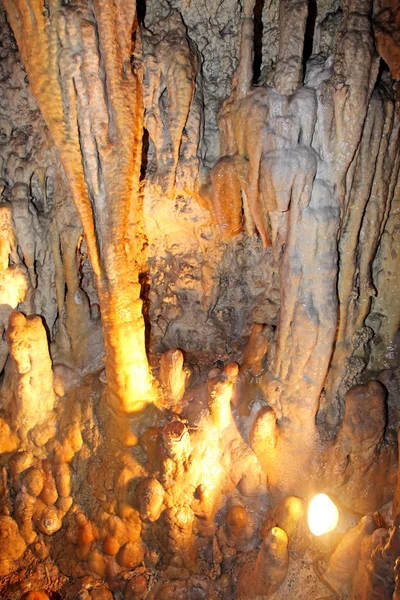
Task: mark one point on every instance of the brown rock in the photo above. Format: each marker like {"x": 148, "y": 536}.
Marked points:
{"x": 24, "y": 510}
{"x": 130, "y": 555}
{"x": 101, "y": 593}
{"x": 33, "y": 481}
{"x": 97, "y": 563}
{"x": 136, "y": 588}
{"x": 31, "y": 377}
{"x": 111, "y": 545}
{"x": 344, "y": 561}
{"x": 387, "y": 33}
{"x": 6, "y": 567}
{"x": 49, "y": 494}
{"x": 264, "y": 576}
{"x": 238, "y": 524}
{"x": 12, "y": 545}
{"x": 50, "y": 521}
{"x": 9, "y": 440}
{"x": 150, "y": 495}
{"x": 173, "y": 590}
{"x": 19, "y": 462}
{"x": 34, "y": 595}
{"x": 291, "y": 516}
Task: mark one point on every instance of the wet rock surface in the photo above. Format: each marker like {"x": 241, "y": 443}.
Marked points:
{"x": 215, "y": 184}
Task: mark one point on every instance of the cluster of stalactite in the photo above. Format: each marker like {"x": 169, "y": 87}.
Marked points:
{"x": 313, "y": 168}
{"x": 79, "y": 67}
{"x": 188, "y": 482}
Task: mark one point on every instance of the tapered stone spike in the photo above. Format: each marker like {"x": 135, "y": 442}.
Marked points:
{"x": 264, "y": 576}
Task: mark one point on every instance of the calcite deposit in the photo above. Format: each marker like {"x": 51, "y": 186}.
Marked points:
{"x": 199, "y": 299}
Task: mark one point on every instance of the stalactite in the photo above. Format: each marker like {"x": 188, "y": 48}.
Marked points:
{"x": 102, "y": 119}
{"x": 261, "y": 260}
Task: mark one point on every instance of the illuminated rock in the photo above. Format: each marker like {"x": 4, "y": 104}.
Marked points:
{"x": 344, "y": 561}
{"x": 265, "y": 575}
{"x": 24, "y": 511}
{"x": 130, "y": 555}
{"x": 220, "y": 395}
{"x": 289, "y": 247}
{"x": 12, "y": 545}
{"x": 239, "y": 525}
{"x": 8, "y": 439}
{"x": 291, "y": 516}
{"x": 34, "y": 595}
{"x": 173, "y": 376}
{"x": 33, "y": 481}
{"x": 30, "y": 394}
{"x": 150, "y": 496}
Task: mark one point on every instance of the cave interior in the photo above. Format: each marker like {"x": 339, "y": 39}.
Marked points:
{"x": 199, "y": 299}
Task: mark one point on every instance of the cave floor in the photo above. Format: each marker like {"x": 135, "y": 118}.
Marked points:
{"x": 301, "y": 583}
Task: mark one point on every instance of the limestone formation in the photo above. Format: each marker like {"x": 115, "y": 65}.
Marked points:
{"x": 290, "y": 516}
{"x": 345, "y": 559}
{"x": 30, "y": 396}
{"x": 170, "y": 70}
{"x": 379, "y": 575}
{"x": 360, "y": 444}
{"x": 269, "y": 569}
{"x": 173, "y": 376}
{"x": 199, "y": 303}
{"x": 96, "y": 175}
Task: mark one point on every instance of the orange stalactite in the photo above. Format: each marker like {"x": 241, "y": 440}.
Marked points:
{"x": 96, "y": 125}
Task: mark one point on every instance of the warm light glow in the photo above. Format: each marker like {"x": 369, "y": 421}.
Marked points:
{"x": 323, "y": 516}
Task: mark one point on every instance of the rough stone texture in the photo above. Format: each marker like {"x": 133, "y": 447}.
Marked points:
{"x": 235, "y": 170}
{"x": 359, "y": 445}
{"x": 292, "y": 25}
{"x": 29, "y": 395}
{"x": 386, "y": 22}
{"x": 99, "y": 142}
{"x": 269, "y": 569}
{"x": 379, "y": 575}
{"x": 344, "y": 561}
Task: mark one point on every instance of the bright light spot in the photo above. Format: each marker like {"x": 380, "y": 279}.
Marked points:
{"x": 323, "y": 516}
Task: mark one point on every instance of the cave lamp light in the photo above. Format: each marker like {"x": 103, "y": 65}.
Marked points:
{"x": 323, "y": 515}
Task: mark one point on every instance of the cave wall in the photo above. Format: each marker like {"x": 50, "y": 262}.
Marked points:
{"x": 196, "y": 272}
{"x": 255, "y": 200}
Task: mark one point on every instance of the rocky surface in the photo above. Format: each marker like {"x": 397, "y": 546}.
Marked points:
{"x": 217, "y": 184}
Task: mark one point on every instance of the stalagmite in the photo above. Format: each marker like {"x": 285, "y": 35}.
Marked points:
{"x": 173, "y": 376}
{"x": 150, "y": 495}
{"x": 379, "y": 575}
{"x": 290, "y": 516}
{"x": 12, "y": 544}
{"x": 239, "y": 525}
{"x": 30, "y": 395}
{"x": 263, "y": 436}
{"x": 269, "y": 569}
{"x": 220, "y": 394}
{"x": 360, "y": 452}
{"x": 101, "y": 161}
{"x": 199, "y": 307}
{"x": 344, "y": 560}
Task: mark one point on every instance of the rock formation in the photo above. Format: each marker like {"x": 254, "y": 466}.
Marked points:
{"x": 199, "y": 307}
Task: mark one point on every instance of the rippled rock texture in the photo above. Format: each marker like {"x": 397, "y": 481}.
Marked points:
{"x": 199, "y": 298}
